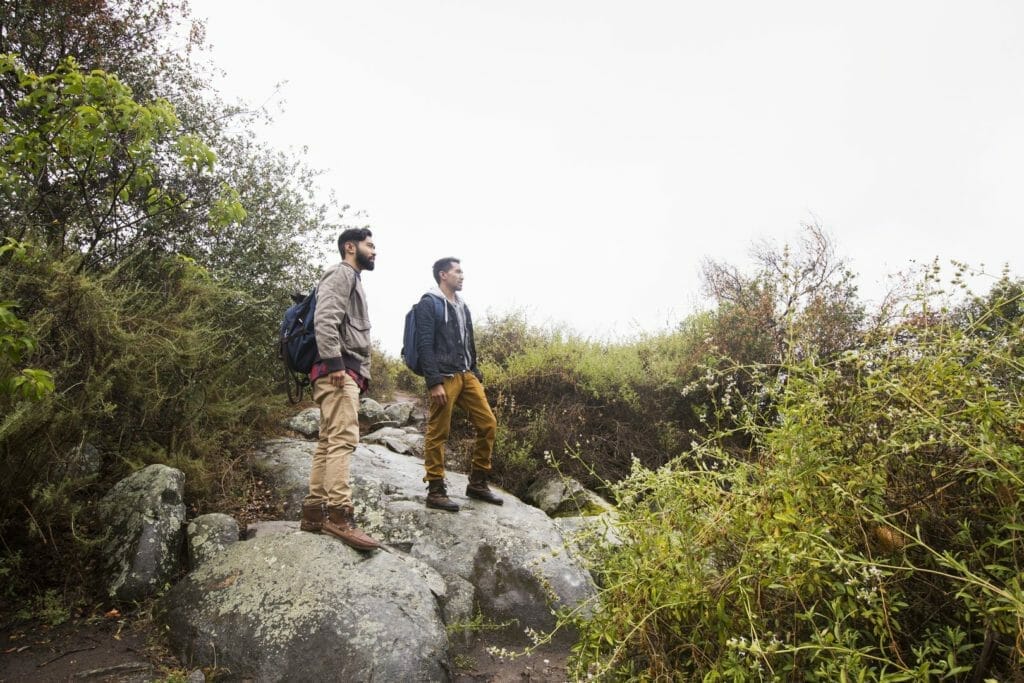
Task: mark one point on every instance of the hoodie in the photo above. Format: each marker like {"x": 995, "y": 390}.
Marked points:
{"x": 445, "y": 343}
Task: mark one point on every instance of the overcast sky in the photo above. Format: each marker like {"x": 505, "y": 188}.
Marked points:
{"x": 582, "y": 157}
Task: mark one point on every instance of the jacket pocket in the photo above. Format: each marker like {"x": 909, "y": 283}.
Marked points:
{"x": 357, "y": 335}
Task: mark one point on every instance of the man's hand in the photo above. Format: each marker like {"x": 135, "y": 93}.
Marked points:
{"x": 337, "y": 378}
{"x": 438, "y": 395}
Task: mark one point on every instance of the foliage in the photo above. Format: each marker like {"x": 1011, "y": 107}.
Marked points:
{"x": 872, "y": 532}
{"x": 146, "y": 296}
{"x": 553, "y": 392}
{"x": 800, "y": 302}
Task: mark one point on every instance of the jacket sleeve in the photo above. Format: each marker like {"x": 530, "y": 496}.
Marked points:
{"x": 331, "y": 305}
{"x": 425, "y": 326}
{"x": 473, "y": 367}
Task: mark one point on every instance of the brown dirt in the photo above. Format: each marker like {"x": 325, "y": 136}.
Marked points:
{"x": 121, "y": 649}
{"x": 472, "y": 663}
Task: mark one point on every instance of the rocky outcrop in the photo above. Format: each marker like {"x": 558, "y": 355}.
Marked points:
{"x": 508, "y": 561}
{"x": 289, "y": 605}
{"x": 144, "y": 514}
{"x": 304, "y": 607}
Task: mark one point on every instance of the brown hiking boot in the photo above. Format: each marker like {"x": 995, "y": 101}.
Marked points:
{"x": 312, "y": 517}
{"x": 478, "y": 488}
{"x": 437, "y": 496}
{"x": 341, "y": 523}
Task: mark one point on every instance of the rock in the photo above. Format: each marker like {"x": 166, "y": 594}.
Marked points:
{"x": 397, "y": 440}
{"x": 269, "y": 527}
{"x": 400, "y": 412}
{"x": 209, "y": 535}
{"x": 566, "y": 497}
{"x": 128, "y": 672}
{"x": 197, "y": 676}
{"x": 144, "y": 513}
{"x": 306, "y": 423}
{"x": 509, "y": 560}
{"x": 286, "y": 463}
{"x": 83, "y": 462}
{"x": 304, "y": 606}
{"x": 372, "y": 415}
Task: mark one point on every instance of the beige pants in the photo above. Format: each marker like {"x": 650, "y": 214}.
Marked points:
{"x": 463, "y": 390}
{"x": 339, "y": 435}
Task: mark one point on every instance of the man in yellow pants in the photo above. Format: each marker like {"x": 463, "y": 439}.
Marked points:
{"x": 447, "y": 352}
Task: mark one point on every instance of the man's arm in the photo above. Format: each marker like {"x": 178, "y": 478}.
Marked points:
{"x": 471, "y": 341}
{"x": 425, "y": 326}
{"x": 331, "y": 305}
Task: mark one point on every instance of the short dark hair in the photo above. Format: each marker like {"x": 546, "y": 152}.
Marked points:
{"x": 352, "y": 235}
{"x": 443, "y": 265}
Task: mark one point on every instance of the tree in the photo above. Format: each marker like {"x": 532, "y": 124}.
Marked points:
{"x": 799, "y": 302}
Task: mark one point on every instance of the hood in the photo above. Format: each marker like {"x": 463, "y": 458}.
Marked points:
{"x": 436, "y": 292}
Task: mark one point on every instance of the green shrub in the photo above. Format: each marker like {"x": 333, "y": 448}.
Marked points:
{"x": 873, "y": 530}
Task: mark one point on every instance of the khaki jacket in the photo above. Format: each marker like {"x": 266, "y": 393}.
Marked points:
{"x": 342, "y": 321}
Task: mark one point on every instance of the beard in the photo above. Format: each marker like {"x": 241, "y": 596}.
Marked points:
{"x": 364, "y": 261}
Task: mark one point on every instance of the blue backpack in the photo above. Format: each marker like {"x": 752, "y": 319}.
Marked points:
{"x": 296, "y": 344}
{"x": 297, "y": 338}
{"x": 410, "y": 352}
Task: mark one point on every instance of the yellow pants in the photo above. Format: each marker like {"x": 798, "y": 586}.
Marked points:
{"x": 465, "y": 391}
{"x": 339, "y": 436}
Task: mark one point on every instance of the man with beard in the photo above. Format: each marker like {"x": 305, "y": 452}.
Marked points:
{"x": 447, "y": 352}
{"x": 340, "y": 374}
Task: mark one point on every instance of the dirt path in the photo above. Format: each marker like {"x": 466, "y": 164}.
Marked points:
{"x": 122, "y": 649}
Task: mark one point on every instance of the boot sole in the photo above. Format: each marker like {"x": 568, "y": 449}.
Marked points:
{"x": 476, "y": 496}
{"x": 354, "y": 544}
{"x": 442, "y": 507}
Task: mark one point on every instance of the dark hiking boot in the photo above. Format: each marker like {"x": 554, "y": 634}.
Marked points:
{"x": 478, "y": 489}
{"x": 437, "y": 496}
{"x": 341, "y": 523}
{"x": 312, "y": 517}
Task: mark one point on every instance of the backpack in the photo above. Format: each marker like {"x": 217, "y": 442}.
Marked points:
{"x": 410, "y": 352}
{"x": 296, "y": 343}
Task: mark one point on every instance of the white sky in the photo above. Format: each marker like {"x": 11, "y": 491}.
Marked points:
{"x": 582, "y": 157}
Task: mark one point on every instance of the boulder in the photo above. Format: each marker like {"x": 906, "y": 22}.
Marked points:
{"x": 400, "y": 412}
{"x": 566, "y": 497}
{"x": 144, "y": 514}
{"x": 305, "y": 607}
{"x": 509, "y": 560}
{"x": 306, "y": 423}
{"x": 209, "y": 535}
{"x": 372, "y": 416}
{"x": 83, "y": 462}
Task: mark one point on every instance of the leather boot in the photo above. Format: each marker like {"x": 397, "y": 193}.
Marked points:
{"x": 312, "y": 517}
{"x": 477, "y": 488}
{"x": 437, "y": 496}
{"x": 341, "y": 522}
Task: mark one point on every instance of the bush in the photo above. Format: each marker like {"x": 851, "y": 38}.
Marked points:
{"x": 873, "y": 530}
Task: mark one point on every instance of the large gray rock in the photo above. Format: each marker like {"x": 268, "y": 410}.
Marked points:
{"x": 209, "y": 535}
{"x": 305, "y": 607}
{"x": 144, "y": 514}
{"x": 566, "y": 498}
{"x": 400, "y": 412}
{"x": 509, "y": 560}
{"x": 372, "y": 416}
{"x": 306, "y": 423}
